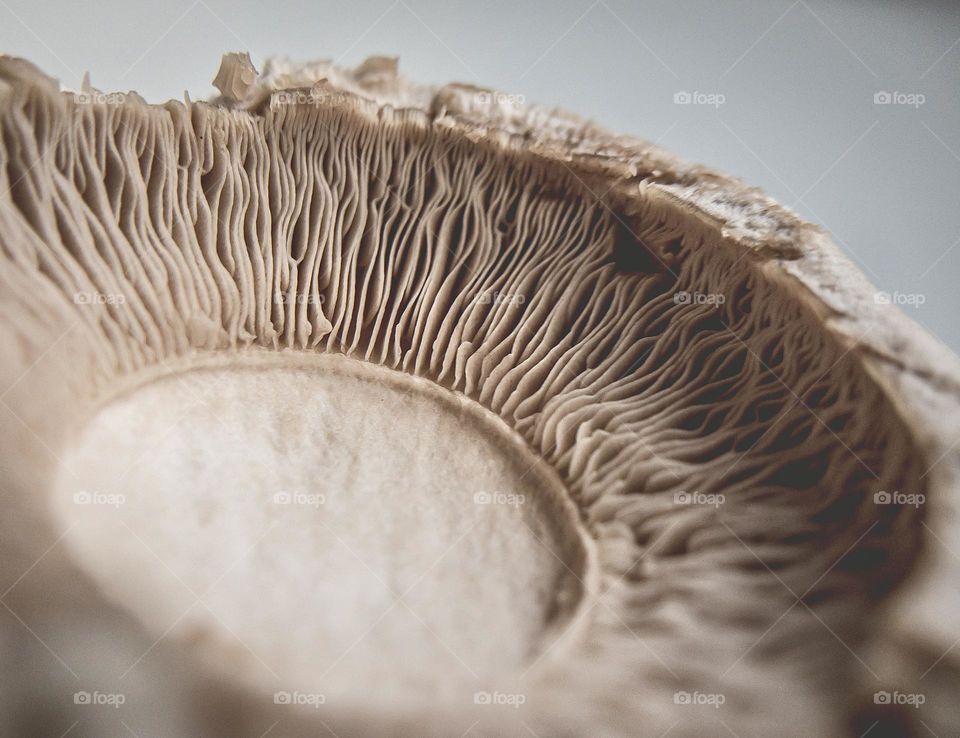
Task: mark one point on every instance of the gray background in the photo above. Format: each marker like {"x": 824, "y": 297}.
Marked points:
{"x": 798, "y": 80}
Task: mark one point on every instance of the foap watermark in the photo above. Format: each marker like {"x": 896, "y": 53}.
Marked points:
{"x": 908, "y": 99}
{"x": 98, "y": 498}
{"x": 305, "y": 499}
{"x": 499, "y": 498}
{"x": 309, "y": 699}
{"x": 713, "y": 699}
{"x": 899, "y": 698}
{"x": 314, "y": 96}
{"x": 913, "y": 299}
{"x": 695, "y": 497}
{"x": 498, "y": 298}
{"x": 110, "y": 699}
{"x": 298, "y": 299}
{"x": 897, "y": 497}
{"x": 508, "y": 699}
{"x": 98, "y": 298}
{"x": 95, "y": 97}
{"x": 713, "y": 99}
{"x": 492, "y": 97}
{"x": 715, "y": 299}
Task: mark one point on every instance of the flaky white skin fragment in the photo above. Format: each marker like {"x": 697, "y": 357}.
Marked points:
{"x": 543, "y": 269}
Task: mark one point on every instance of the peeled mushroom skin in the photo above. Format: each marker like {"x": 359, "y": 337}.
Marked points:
{"x": 342, "y": 403}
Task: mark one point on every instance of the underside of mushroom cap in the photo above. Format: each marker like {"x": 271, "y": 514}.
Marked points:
{"x": 720, "y": 482}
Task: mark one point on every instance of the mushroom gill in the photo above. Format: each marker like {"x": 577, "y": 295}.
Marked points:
{"x": 432, "y": 413}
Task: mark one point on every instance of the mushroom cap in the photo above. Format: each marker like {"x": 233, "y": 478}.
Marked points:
{"x": 720, "y": 470}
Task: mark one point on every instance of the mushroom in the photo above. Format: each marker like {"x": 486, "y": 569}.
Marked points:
{"x": 347, "y": 403}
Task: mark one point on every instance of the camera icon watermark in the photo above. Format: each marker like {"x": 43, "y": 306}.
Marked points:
{"x": 883, "y": 497}
{"x": 492, "y": 97}
{"x": 315, "y": 96}
{"x": 712, "y": 699}
{"x": 308, "y": 699}
{"x": 281, "y": 298}
{"x": 109, "y": 699}
{"x": 498, "y": 298}
{"x": 714, "y": 299}
{"x": 499, "y": 498}
{"x": 95, "y": 97}
{"x": 98, "y": 298}
{"x": 98, "y": 498}
{"x": 304, "y": 499}
{"x": 913, "y": 299}
{"x": 712, "y": 99}
{"x": 914, "y": 699}
{"x": 508, "y": 699}
{"x": 909, "y": 99}
{"x": 695, "y": 497}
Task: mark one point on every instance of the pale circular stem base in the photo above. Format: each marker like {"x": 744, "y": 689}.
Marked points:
{"x": 327, "y": 527}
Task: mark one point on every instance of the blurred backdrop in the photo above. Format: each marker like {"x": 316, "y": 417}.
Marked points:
{"x": 845, "y": 111}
